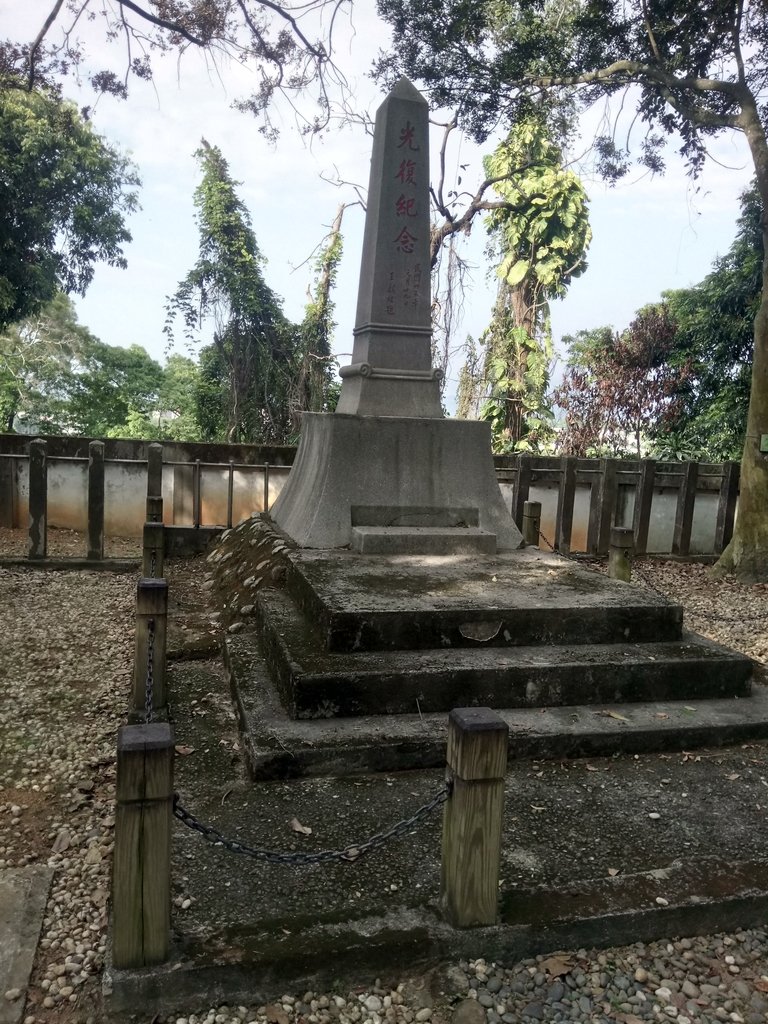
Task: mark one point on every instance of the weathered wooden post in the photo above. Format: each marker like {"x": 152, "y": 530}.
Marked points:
{"x": 621, "y": 553}
{"x": 472, "y": 821}
{"x": 8, "y": 492}
{"x": 686, "y": 501}
{"x": 153, "y": 559}
{"x": 531, "y": 525}
{"x": 141, "y": 870}
{"x": 38, "y": 499}
{"x": 521, "y": 488}
{"x": 151, "y": 621}
{"x": 96, "y": 500}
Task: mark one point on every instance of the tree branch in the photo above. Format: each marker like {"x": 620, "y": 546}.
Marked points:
{"x": 52, "y": 16}
{"x": 170, "y": 26}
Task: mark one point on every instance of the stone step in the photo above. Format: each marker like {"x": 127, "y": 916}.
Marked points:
{"x": 413, "y": 515}
{"x": 411, "y": 603}
{"x": 314, "y": 683}
{"x": 422, "y": 540}
{"x": 277, "y": 746}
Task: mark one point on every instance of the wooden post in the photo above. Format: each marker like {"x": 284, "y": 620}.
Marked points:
{"x": 96, "y": 501}
{"x": 153, "y": 562}
{"x": 151, "y": 621}
{"x": 521, "y": 488}
{"x": 154, "y": 508}
{"x": 265, "y": 500}
{"x": 606, "y": 511}
{"x": 565, "y": 498}
{"x": 38, "y": 499}
{"x": 621, "y": 553}
{"x": 686, "y": 500}
{"x": 726, "y": 506}
{"x": 230, "y": 493}
{"x": 154, "y": 470}
{"x": 641, "y": 518}
{"x": 141, "y": 869}
{"x": 531, "y": 522}
{"x": 473, "y": 817}
{"x": 196, "y": 495}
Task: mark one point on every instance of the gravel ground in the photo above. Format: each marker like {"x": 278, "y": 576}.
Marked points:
{"x": 67, "y": 544}
{"x": 66, "y": 647}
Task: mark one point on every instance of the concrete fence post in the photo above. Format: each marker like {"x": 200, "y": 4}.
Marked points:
{"x": 153, "y": 559}
{"x": 8, "y": 493}
{"x": 620, "y": 553}
{"x": 151, "y": 624}
{"x": 141, "y": 870}
{"x": 473, "y": 816}
{"x": 96, "y": 500}
{"x": 531, "y": 522}
{"x": 38, "y": 499}
{"x": 154, "y": 470}
{"x": 154, "y": 508}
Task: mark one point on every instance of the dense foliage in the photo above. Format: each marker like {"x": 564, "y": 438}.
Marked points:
{"x": 64, "y": 194}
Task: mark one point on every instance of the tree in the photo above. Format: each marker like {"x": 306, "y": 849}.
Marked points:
{"x": 714, "y": 340}
{"x": 272, "y": 38}
{"x": 618, "y": 388}
{"x": 64, "y": 194}
{"x": 254, "y": 346}
{"x": 539, "y": 240}
{"x": 699, "y": 69}
{"x": 36, "y": 357}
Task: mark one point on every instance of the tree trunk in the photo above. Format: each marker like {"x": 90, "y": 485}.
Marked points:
{"x": 747, "y": 554}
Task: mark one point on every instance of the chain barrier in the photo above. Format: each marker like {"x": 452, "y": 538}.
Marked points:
{"x": 148, "y": 691}
{"x": 153, "y": 564}
{"x": 690, "y": 610}
{"x": 349, "y": 853}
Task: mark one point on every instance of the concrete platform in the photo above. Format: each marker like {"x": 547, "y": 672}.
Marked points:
{"x": 23, "y": 896}
{"x": 424, "y": 540}
{"x": 313, "y": 682}
{"x": 277, "y": 746}
{"x": 517, "y": 598}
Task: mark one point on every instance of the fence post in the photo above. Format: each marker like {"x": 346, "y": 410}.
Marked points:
{"x": 96, "y": 500}
{"x": 141, "y": 871}
{"x": 153, "y": 560}
{"x": 726, "y": 506}
{"x": 621, "y": 553}
{"x": 472, "y": 821}
{"x": 196, "y": 494}
{"x": 531, "y": 522}
{"x": 8, "y": 492}
{"x": 154, "y": 508}
{"x": 641, "y": 520}
{"x": 154, "y": 470}
{"x": 521, "y": 488}
{"x": 565, "y": 499}
{"x": 265, "y": 500}
{"x": 151, "y": 622}
{"x": 38, "y": 499}
{"x": 686, "y": 500}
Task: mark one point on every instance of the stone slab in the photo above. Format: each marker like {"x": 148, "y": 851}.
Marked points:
{"x": 521, "y": 598}
{"x": 277, "y": 746}
{"x": 422, "y": 540}
{"x": 314, "y": 682}
{"x": 345, "y": 461}
{"x": 23, "y": 896}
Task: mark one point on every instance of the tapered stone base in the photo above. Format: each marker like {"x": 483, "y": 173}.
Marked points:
{"x": 347, "y": 466}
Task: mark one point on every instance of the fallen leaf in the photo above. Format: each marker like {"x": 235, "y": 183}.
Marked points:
{"x": 605, "y": 713}
{"x": 661, "y": 714}
{"x": 687, "y": 707}
{"x": 536, "y": 809}
{"x": 733, "y": 776}
{"x": 613, "y": 872}
{"x": 629, "y": 1018}
{"x": 275, "y": 1014}
{"x": 591, "y": 768}
{"x": 760, "y": 985}
{"x": 296, "y": 825}
{"x": 61, "y": 842}
{"x": 557, "y": 966}
{"x": 183, "y": 750}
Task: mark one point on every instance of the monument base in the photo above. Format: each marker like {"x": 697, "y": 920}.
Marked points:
{"x": 391, "y": 471}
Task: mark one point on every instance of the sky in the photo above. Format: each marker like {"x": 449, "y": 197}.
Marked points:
{"x": 650, "y": 234}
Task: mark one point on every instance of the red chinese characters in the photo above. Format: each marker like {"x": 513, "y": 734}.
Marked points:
{"x": 405, "y": 207}
{"x": 406, "y": 137}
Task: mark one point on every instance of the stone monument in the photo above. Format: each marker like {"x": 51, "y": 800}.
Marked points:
{"x": 387, "y": 473}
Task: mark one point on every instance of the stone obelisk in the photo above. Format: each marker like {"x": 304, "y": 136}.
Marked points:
{"x": 387, "y": 473}
{"x": 391, "y": 372}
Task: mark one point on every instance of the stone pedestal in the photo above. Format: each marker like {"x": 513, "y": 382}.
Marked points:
{"x": 364, "y": 470}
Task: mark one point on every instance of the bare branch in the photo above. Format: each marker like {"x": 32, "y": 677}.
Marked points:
{"x": 52, "y": 16}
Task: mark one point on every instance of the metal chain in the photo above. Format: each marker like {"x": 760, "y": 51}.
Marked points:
{"x": 349, "y": 853}
{"x": 148, "y": 692}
